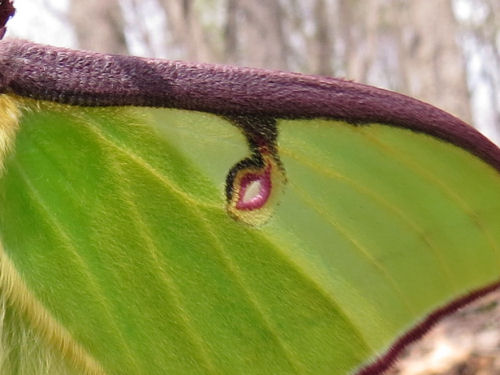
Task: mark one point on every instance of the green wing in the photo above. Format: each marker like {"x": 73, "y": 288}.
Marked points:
{"x": 120, "y": 257}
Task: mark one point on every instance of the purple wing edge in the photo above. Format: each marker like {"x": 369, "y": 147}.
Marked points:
{"x": 387, "y": 359}
{"x": 93, "y": 79}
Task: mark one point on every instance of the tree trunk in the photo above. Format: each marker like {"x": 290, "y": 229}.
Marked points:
{"x": 231, "y": 54}
{"x": 431, "y": 58}
{"x": 99, "y": 25}
{"x": 263, "y": 42}
{"x": 323, "y": 39}
{"x": 187, "y": 31}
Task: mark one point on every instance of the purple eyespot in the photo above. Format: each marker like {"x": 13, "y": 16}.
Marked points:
{"x": 255, "y": 190}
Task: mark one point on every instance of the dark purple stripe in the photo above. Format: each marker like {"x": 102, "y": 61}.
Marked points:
{"x": 93, "y": 79}
{"x": 385, "y": 361}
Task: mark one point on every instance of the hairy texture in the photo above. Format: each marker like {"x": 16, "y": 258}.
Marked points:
{"x": 22, "y": 350}
{"x": 9, "y": 124}
{"x": 26, "y": 328}
{"x": 93, "y": 79}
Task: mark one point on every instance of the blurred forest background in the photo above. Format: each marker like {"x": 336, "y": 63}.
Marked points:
{"x": 445, "y": 52}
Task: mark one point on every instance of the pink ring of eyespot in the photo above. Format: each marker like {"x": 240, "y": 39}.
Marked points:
{"x": 264, "y": 190}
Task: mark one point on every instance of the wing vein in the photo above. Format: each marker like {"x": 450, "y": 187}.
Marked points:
{"x": 67, "y": 244}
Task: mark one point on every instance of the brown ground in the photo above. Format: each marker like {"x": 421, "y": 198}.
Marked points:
{"x": 466, "y": 343}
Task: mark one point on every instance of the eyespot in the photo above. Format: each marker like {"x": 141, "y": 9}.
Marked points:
{"x": 254, "y": 187}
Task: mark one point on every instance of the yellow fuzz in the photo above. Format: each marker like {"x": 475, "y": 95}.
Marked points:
{"x": 9, "y": 124}
{"x": 32, "y": 341}
{"x": 50, "y": 346}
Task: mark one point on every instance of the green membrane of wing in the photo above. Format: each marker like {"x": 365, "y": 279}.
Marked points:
{"x": 115, "y": 218}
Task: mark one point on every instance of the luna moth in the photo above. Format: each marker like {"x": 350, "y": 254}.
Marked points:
{"x": 165, "y": 217}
